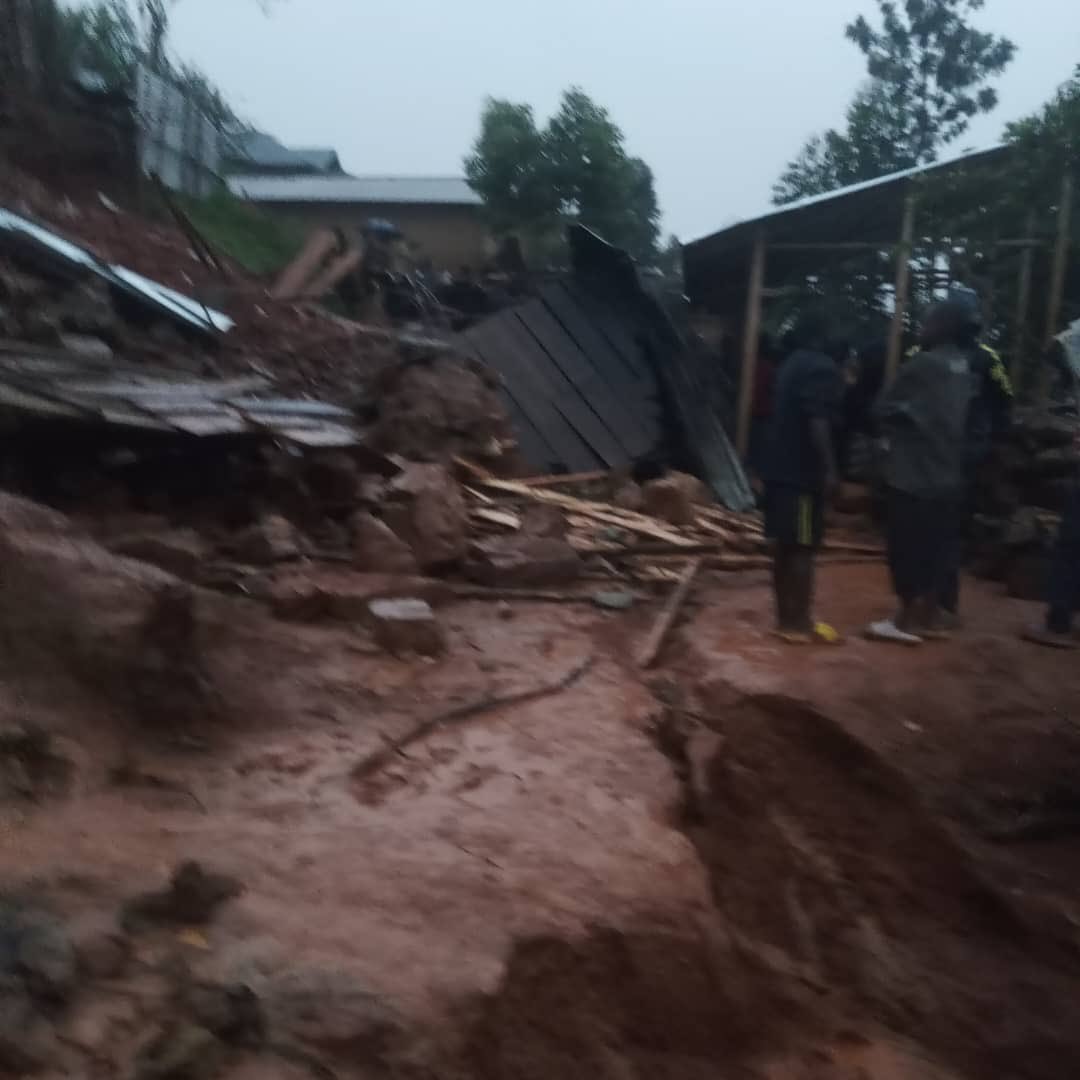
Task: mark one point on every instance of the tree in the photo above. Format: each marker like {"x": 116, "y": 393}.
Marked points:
{"x": 930, "y": 74}
{"x": 509, "y": 169}
{"x": 576, "y": 169}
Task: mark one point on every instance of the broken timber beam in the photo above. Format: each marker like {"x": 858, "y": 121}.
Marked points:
{"x": 654, "y": 643}
{"x": 319, "y": 247}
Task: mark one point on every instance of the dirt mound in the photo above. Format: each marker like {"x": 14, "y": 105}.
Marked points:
{"x": 827, "y": 867}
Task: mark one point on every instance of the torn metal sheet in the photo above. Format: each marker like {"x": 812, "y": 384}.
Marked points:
{"x": 19, "y": 233}
{"x": 79, "y": 390}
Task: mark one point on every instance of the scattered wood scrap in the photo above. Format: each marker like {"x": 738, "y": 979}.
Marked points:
{"x": 631, "y": 544}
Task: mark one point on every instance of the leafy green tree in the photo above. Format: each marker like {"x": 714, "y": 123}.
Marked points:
{"x": 575, "y": 169}
{"x": 510, "y": 170}
{"x": 930, "y": 74}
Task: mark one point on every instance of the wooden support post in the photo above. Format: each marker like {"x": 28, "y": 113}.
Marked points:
{"x": 1023, "y": 306}
{"x": 1057, "y": 278}
{"x": 903, "y": 284}
{"x": 751, "y": 334}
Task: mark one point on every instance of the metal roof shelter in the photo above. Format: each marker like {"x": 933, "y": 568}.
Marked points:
{"x": 875, "y": 216}
{"x": 259, "y": 151}
{"x": 392, "y": 190}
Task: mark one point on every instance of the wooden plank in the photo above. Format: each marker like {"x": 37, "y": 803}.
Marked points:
{"x": 605, "y": 448}
{"x": 504, "y": 354}
{"x": 562, "y": 479}
{"x": 1023, "y": 306}
{"x": 750, "y": 345}
{"x": 604, "y": 399}
{"x": 1057, "y": 278}
{"x": 654, "y": 643}
{"x": 903, "y": 285}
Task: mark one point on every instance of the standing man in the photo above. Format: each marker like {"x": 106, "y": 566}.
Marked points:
{"x": 801, "y": 478}
{"x": 1057, "y": 631}
{"x": 923, "y": 420}
{"x": 988, "y": 421}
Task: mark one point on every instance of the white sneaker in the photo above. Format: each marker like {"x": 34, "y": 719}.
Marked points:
{"x": 887, "y": 630}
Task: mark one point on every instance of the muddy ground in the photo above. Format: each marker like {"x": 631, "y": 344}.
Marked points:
{"x": 757, "y": 864}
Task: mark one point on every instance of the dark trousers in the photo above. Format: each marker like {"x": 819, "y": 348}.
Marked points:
{"x": 949, "y": 593}
{"x": 1064, "y": 585}
{"x": 923, "y": 543}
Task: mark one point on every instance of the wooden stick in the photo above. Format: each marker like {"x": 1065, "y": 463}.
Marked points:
{"x": 538, "y": 596}
{"x": 382, "y": 757}
{"x": 903, "y": 284}
{"x": 650, "y": 650}
{"x": 556, "y": 480}
{"x": 750, "y": 344}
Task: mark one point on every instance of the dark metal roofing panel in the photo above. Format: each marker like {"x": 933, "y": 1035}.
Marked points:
{"x": 504, "y": 352}
{"x": 607, "y": 402}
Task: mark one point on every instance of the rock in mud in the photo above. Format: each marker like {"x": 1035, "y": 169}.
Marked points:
{"x": 182, "y": 1051}
{"x": 547, "y": 521}
{"x": 271, "y": 539}
{"x": 523, "y": 562}
{"x": 192, "y": 898}
{"x": 427, "y": 510}
{"x": 30, "y": 767}
{"x": 102, "y": 949}
{"x": 402, "y": 626}
{"x": 674, "y": 498}
{"x": 232, "y": 1012}
{"x": 182, "y": 552}
{"x": 170, "y": 685}
{"x": 628, "y": 496}
{"x": 27, "y": 1041}
{"x": 377, "y": 549}
{"x": 333, "y": 1012}
{"x": 46, "y": 962}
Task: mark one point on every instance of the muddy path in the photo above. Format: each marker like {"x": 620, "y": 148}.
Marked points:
{"x": 755, "y": 865}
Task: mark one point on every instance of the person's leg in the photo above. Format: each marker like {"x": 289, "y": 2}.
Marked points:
{"x": 1065, "y": 572}
{"x": 902, "y": 546}
{"x": 801, "y": 585}
{"x": 781, "y": 588}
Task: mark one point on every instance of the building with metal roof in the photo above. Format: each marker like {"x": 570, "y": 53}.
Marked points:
{"x": 733, "y": 271}
{"x": 394, "y": 190}
{"x": 256, "y": 152}
{"x": 440, "y": 216}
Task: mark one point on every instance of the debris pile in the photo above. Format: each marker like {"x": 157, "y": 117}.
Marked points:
{"x": 685, "y": 522}
{"x": 1020, "y": 499}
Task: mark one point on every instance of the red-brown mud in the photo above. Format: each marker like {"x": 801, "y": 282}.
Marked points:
{"x": 766, "y": 865}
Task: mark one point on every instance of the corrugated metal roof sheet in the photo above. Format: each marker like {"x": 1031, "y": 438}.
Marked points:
{"x": 70, "y": 387}
{"x": 25, "y": 235}
{"x": 440, "y": 190}
{"x": 846, "y": 192}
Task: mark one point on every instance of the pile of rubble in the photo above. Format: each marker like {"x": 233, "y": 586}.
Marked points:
{"x": 1021, "y": 496}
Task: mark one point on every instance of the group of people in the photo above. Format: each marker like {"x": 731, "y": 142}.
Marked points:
{"x": 936, "y": 425}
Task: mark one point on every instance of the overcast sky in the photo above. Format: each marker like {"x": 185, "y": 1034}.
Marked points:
{"x": 716, "y": 95}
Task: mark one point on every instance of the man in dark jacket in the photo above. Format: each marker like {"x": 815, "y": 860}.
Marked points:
{"x": 801, "y": 477}
{"x": 989, "y": 418}
{"x": 923, "y": 419}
